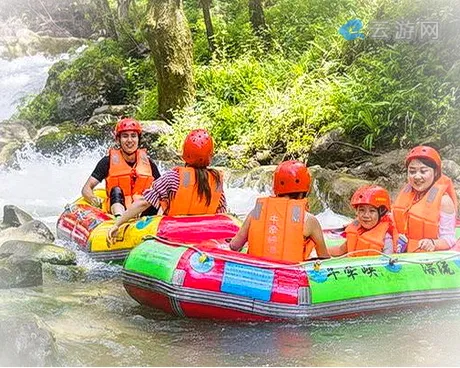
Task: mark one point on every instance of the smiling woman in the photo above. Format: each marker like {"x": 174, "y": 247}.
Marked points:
{"x": 425, "y": 209}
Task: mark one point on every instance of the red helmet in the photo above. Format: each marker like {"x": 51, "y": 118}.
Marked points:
{"x": 128, "y": 124}
{"x": 198, "y": 148}
{"x": 426, "y": 152}
{"x": 371, "y": 194}
{"x": 291, "y": 177}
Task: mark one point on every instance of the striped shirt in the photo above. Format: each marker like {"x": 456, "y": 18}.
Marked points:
{"x": 167, "y": 186}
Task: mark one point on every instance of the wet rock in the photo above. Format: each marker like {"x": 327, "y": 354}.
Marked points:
{"x": 104, "y": 121}
{"x": 452, "y": 170}
{"x": 71, "y": 136}
{"x": 13, "y": 217}
{"x": 155, "y": 127}
{"x": 451, "y": 153}
{"x": 159, "y": 152}
{"x": 86, "y": 92}
{"x": 16, "y": 131}
{"x": 334, "y": 190}
{"x": 46, "y": 130}
{"x": 152, "y": 130}
{"x": 7, "y": 153}
{"x": 388, "y": 165}
{"x": 26, "y": 341}
{"x": 325, "y": 151}
{"x": 69, "y": 273}
{"x": 117, "y": 110}
{"x": 34, "y": 231}
{"x": 17, "y": 272}
{"x": 264, "y": 157}
{"x": 47, "y": 253}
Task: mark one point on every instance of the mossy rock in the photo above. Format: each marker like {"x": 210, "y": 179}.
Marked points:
{"x": 70, "y": 136}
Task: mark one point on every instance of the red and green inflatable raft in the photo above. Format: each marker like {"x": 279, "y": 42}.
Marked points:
{"x": 208, "y": 282}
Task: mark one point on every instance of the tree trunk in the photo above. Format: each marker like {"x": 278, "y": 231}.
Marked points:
{"x": 123, "y": 9}
{"x": 107, "y": 19}
{"x": 170, "y": 40}
{"x": 206, "y": 5}
{"x": 257, "y": 18}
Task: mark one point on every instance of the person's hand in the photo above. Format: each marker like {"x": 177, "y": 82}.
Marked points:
{"x": 96, "y": 202}
{"x": 426, "y": 245}
{"x": 111, "y": 234}
{"x": 224, "y": 246}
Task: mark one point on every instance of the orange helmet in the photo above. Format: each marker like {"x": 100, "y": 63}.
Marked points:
{"x": 426, "y": 152}
{"x": 198, "y": 148}
{"x": 291, "y": 177}
{"x": 371, "y": 194}
{"x": 128, "y": 124}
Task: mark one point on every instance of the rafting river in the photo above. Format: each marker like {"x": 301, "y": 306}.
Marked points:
{"x": 95, "y": 322}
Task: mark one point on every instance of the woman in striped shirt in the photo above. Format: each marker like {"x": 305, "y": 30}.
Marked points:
{"x": 191, "y": 190}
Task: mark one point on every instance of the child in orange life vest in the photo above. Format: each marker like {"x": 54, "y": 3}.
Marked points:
{"x": 191, "y": 190}
{"x": 373, "y": 230}
{"x": 127, "y": 171}
{"x": 426, "y": 207}
{"x": 280, "y": 228}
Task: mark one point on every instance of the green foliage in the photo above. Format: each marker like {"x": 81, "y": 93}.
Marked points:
{"x": 140, "y": 78}
{"x": 40, "y": 110}
{"x": 384, "y": 94}
{"x": 147, "y": 104}
{"x": 102, "y": 57}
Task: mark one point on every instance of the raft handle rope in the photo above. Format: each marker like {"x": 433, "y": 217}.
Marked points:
{"x": 316, "y": 263}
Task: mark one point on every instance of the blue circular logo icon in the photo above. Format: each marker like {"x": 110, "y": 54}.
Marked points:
{"x": 350, "y": 30}
{"x": 201, "y": 263}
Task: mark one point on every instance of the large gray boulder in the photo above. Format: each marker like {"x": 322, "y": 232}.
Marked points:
{"x": 13, "y": 217}
{"x": 47, "y": 253}
{"x": 334, "y": 149}
{"x": 34, "y": 231}
{"x": 26, "y": 341}
{"x": 17, "y": 272}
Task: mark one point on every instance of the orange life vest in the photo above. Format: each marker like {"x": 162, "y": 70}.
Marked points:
{"x": 361, "y": 239}
{"x": 276, "y": 230}
{"x": 132, "y": 180}
{"x": 420, "y": 220}
{"x": 186, "y": 200}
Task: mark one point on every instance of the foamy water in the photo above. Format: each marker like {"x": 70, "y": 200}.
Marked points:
{"x": 19, "y": 78}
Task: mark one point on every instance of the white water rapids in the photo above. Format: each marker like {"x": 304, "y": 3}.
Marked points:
{"x": 95, "y": 323}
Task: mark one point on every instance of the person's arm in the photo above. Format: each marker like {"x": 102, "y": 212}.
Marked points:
{"x": 312, "y": 229}
{"x": 446, "y": 238}
{"x": 162, "y": 188}
{"x": 388, "y": 244}
{"x": 88, "y": 194}
{"x": 100, "y": 172}
{"x": 338, "y": 250}
{"x": 135, "y": 210}
{"x": 240, "y": 239}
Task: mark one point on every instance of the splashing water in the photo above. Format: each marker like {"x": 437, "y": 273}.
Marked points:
{"x": 19, "y": 78}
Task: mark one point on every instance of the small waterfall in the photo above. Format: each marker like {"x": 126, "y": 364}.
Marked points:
{"x": 19, "y": 78}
